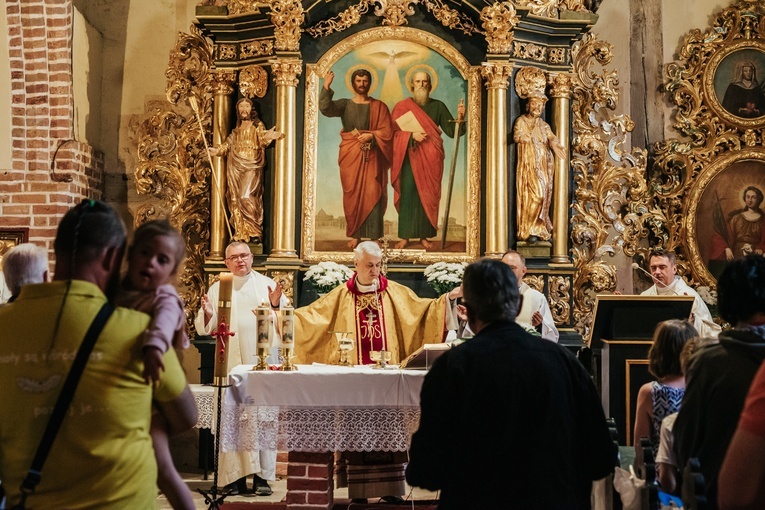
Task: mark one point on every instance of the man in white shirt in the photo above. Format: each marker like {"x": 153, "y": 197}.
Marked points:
{"x": 534, "y": 312}
{"x": 663, "y": 268}
{"x": 250, "y": 289}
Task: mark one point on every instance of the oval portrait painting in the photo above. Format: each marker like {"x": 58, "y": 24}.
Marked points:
{"x": 739, "y": 83}
{"x": 730, "y": 221}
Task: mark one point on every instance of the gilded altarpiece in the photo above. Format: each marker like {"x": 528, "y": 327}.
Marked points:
{"x": 277, "y": 53}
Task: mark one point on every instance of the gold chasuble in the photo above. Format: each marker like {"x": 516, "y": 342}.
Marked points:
{"x": 407, "y": 320}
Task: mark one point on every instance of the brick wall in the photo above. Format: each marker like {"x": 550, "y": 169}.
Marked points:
{"x": 50, "y": 172}
{"x": 310, "y": 481}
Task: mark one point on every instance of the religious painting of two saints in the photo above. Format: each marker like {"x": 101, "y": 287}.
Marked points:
{"x": 390, "y": 142}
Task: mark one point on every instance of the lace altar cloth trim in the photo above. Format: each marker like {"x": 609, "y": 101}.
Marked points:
{"x": 206, "y": 409}
{"x": 248, "y": 428}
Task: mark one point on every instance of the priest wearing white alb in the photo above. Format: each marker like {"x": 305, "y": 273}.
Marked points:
{"x": 383, "y": 315}
{"x": 663, "y": 267}
{"x": 535, "y": 311}
{"x": 250, "y": 290}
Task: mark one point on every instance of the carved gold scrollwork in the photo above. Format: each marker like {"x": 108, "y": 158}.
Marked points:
{"x": 287, "y": 16}
{"x": 394, "y": 12}
{"x": 536, "y": 282}
{"x": 557, "y": 55}
{"x": 547, "y": 8}
{"x": 286, "y": 279}
{"x": 451, "y": 18}
{"x": 227, "y": 52}
{"x": 499, "y": 21}
{"x": 611, "y": 190}
{"x": 342, "y": 21}
{"x": 529, "y": 51}
{"x": 253, "y": 81}
{"x": 263, "y": 47}
{"x": 559, "y": 288}
{"x": 242, "y": 6}
{"x": 171, "y": 163}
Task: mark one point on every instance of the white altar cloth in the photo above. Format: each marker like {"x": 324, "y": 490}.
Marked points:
{"x": 321, "y": 408}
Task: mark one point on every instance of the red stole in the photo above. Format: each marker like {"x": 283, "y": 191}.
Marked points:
{"x": 426, "y": 159}
{"x": 370, "y": 319}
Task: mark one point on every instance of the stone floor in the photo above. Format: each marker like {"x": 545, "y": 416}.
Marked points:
{"x": 194, "y": 480}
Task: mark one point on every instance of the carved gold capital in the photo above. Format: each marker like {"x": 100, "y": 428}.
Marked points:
{"x": 287, "y": 16}
{"x": 560, "y": 85}
{"x": 496, "y": 74}
{"x": 499, "y": 21}
{"x": 223, "y": 81}
{"x": 286, "y": 71}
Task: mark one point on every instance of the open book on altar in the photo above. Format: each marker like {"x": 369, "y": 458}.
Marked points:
{"x": 408, "y": 122}
{"x": 424, "y": 357}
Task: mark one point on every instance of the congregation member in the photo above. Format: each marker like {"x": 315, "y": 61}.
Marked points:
{"x": 662, "y": 397}
{"x": 250, "y": 290}
{"x": 102, "y": 456}
{"x": 720, "y": 373}
{"x": 382, "y": 314}
{"x": 663, "y": 270}
{"x": 22, "y": 265}
{"x": 742, "y": 476}
{"x": 527, "y": 409}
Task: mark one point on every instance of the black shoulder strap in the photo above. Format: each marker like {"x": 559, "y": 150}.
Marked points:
{"x": 64, "y": 400}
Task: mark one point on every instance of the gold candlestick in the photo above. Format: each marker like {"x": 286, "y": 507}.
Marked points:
{"x": 286, "y": 324}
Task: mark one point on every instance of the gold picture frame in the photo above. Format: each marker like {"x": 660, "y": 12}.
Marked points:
{"x": 321, "y": 173}
{"x": 715, "y": 195}
{"x": 726, "y": 96}
{"x": 10, "y": 237}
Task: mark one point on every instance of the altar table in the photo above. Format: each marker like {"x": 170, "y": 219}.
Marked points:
{"x": 321, "y": 408}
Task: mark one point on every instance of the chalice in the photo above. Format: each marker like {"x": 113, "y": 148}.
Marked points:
{"x": 345, "y": 344}
{"x": 381, "y": 358}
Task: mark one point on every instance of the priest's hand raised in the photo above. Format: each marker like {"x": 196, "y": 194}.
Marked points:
{"x": 275, "y": 295}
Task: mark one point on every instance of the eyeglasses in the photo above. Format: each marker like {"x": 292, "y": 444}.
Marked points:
{"x": 238, "y": 257}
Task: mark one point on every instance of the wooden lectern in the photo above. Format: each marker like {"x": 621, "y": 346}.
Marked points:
{"x": 622, "y": 333}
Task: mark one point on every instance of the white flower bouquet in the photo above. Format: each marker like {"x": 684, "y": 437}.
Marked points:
{"x": 709, "y": 296}
{"x": 444, "y": 277}
{"x": 325, "y": 276}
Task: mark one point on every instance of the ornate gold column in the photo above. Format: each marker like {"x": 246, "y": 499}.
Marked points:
{"x": 224, "y": 101}
{"x": 286, "y": 71}
{"x": 560, "y": 93}
{"x": 497, "y": 76}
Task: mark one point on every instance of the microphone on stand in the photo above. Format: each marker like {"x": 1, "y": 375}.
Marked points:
{"x": 635, "y": 265}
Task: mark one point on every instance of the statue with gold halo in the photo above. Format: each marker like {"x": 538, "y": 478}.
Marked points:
{"x": 534, "y": 170}
{"x": 246, "y": 150}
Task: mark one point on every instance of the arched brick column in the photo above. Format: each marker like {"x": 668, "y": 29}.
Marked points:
{"x": 50, "y": 171}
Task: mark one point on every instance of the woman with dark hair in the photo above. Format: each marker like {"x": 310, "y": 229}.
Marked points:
{"x": 662, "y": 397}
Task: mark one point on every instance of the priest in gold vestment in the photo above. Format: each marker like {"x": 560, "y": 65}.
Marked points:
{"x": 246, "y": 150}
{"x": 382, "y": 315}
